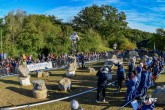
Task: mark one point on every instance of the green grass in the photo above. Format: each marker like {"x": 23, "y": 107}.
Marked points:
{"x": 12, "y": 94}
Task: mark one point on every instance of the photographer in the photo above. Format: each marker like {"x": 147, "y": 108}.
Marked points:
{"x": 148, "y": 103}
{"x": 102, "y": 75}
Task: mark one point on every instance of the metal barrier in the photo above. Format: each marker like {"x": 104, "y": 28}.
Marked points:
{"x": 51, "y": 101}
{"x": 61, "y": 63}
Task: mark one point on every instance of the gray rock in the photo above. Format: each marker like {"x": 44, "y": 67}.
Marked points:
{"x": 39, "y": 85}
{"x": 159, "y": 93}
{"x": 71, "y": 64}
{"x": 64, "y": 84}
{"x": 23, "y": 71}
{"x": 91, "y": 70}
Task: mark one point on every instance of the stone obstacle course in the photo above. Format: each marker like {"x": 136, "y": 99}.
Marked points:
{"x": 43, "y": 74}
{"x": 71, "y": 67}
{"x": 39, "y": 90}
{"x": 64, "y": 84}
{"x": 159, "y": 93}
{"x": 91, "y": 70}
{"x": 24, "y": 77}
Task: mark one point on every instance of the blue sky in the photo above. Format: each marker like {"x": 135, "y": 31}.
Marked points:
{"x": 146, "y": 15}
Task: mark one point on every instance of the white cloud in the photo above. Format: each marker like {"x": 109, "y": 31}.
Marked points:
{"x": 64, "y": 12}
{"x": 67, "y": 12}
{"x": 143, "y": 27}
{"x": 146, "y": 21}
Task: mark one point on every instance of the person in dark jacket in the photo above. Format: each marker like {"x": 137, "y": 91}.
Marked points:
{"x": 155, "y": 71}
{"x": 137, "y": 82}
{"x": 150, "y": 81}
{"x": 131, "y": 67}
{"x": 161, "y": 64}
{"x": 143, "y": 87}
{"x": 81, "y": 57}
{"x": 139, "y": 71}
{"x": 103, "y": 76}
{"x": 131, "y": 86}
{"x": 120, "y": 75}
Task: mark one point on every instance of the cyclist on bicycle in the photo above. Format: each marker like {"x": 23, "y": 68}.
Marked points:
{"x": 73, "y": 39}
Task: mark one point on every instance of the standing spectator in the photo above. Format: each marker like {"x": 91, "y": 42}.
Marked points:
{"x": 82, "y": 60}
{"x": 1, "y": 59}
{"x": 102, "y": 75}
{"x": 139, "y": 71}
{"x": 4, "y": 56}
{"x": 143, "y": 87}
{"x": 155, "y": 71}
{"x": 130, "y": 67}
{"x": 24, "y": 57}
{"x": 131, "y": 86}
{"x": 150, "y": 81}
{"x": 120, "y": 75}
{"x": 40, "y": 57}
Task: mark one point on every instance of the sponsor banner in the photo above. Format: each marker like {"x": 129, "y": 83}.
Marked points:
{"x": 39, "y": 66}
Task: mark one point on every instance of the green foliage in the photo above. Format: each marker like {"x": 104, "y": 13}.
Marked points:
{"x": 98, "y": 27}
{"x": 126, "y": 44}
{"x": 91, "y": 41}
{"x": 158, "y": 39}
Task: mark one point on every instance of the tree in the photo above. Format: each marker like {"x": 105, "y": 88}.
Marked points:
{"x": 158, "y": 39}
{"x": 104, "y": 19}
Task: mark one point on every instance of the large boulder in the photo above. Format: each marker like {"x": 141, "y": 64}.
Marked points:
{"x": 39, "y": 94}
{"x": 23, "y": 71}
{"x": 91, "y": 70}
{"x": 71, "y": 67}
{"x": 25, "y": 81}
{"x": 39, "y": 74}
{"x": 70, "y": 73}
{"x": 159, "y": 93}
{"x": 42, "y": 74}
{"x": 39, "y": 90}
{"x": 46, "y": 74}
{"x": 24, "y": 77}
{"x": 64, "y": 84}
{"x": 39, "y": 85}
